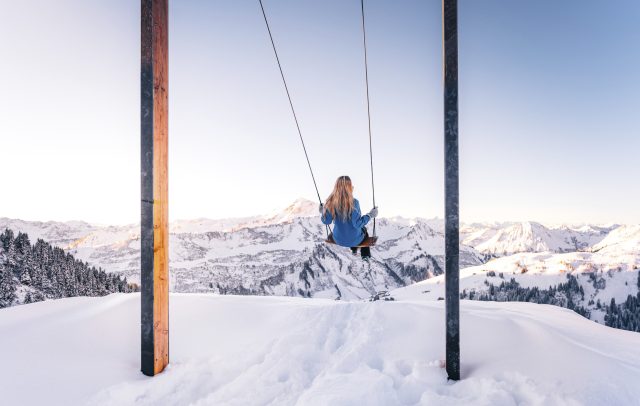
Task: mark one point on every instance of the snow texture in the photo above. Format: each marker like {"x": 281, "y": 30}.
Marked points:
{"x": 230, "y": 350}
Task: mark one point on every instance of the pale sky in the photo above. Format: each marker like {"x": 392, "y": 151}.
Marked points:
{"x": 549, "y": 101}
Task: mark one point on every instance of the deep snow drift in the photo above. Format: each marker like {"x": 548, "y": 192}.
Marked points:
{"x": 232, "y": 350}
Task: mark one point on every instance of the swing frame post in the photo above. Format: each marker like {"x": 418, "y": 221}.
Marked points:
{"x": 154, "y": 219}
{"x": 451, "y": 187}
{"x": 154, "y": 230}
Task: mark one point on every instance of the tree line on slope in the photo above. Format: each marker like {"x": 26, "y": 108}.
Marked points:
{"x": 625, "y": 316}
{"x": 566, "y": 294}
{"x": 35, "y": 272}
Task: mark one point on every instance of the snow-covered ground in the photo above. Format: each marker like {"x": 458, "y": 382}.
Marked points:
{"x": 243, "y": 350}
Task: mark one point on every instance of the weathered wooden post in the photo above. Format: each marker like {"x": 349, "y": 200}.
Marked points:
{"x": 451, "y": 192}
{"x": 154, "y": 238}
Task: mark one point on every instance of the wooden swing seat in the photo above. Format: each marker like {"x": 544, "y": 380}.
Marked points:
{"x": 368, "y": 242}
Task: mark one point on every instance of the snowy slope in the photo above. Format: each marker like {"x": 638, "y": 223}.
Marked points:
{"x": 229, "y": 350}
{"x": 623, "y": 240}
{"x": 603, "y": 275}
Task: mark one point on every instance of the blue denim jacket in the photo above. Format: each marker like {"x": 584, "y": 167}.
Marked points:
{"x": 348, "y": 233}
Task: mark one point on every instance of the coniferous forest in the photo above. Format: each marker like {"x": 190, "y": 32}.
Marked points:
{"x": 625, "y": 315}
{"x": 35, "y": 272}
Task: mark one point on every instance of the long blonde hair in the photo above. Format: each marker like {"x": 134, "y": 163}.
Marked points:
{"x": 340, "y": 202}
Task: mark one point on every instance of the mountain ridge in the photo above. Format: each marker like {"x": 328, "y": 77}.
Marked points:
{"x": 282, "y": 252}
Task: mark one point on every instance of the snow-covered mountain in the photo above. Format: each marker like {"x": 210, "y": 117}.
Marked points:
{"x": 281, "y": 253}
{"x": 609, "y": 270}
{"x": 501, "y": 239}
{"x": 623, "y": 240}
{"x": 56, "y": 233}
{"x": 602, "y": 263}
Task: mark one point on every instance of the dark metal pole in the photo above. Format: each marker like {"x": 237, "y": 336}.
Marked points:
{"x": 451, "y": 191}
{"x": 154, "y": 271}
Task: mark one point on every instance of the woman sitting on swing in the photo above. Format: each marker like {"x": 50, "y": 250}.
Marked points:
{"x": 343, "y": 210}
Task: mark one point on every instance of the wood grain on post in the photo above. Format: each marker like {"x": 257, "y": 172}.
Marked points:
{"x": 154, "y": 187}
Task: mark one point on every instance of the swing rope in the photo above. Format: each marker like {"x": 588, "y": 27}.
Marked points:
{"x": 293, "y": 111}
{"x": 295, "y": 117}
{"x": 366, "y": 78}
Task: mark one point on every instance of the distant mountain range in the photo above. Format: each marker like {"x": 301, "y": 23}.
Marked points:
{"x": 510, "y": 238}
{"x": 283, "y": 253}
{"x": 600, "y": 281}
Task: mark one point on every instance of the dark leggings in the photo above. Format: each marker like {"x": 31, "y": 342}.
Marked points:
{"x": 364, "y": 251}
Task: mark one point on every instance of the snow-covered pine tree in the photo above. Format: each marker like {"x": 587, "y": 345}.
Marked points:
{"x": 48, "y": 272}
{"x": 7, "y": 286}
